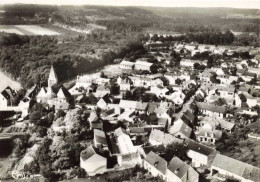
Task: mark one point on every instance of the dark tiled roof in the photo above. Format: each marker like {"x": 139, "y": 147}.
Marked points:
{"x": 197, "y": 147}
{"x": 178, "y": 167}
{"x": 155, "y": 160}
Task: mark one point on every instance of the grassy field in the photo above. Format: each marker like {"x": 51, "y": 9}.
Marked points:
{"x": 27, "y": 30}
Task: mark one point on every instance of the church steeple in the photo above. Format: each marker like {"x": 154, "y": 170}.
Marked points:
{"x": 53, "y": 79}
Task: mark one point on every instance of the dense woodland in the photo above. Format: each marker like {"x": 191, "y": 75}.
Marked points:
{"x": 28, "y": 58}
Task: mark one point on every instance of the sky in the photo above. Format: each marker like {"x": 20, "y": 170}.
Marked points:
{"x": 251, "y": 4}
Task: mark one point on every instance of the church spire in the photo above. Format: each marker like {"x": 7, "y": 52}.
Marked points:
{"x": 53, "y": 79}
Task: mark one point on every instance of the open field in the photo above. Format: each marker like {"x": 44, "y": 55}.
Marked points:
{"x": 27, "y": 30}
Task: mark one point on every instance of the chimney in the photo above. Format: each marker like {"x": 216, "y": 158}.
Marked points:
{"x": 177, "y": 170}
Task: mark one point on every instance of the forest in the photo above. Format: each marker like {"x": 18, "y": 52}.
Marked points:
{"x": 28, "y": 58}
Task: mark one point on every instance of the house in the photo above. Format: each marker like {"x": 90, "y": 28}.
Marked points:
{"x": 141, "y": 81}
{"x": 156, "y": 82}
{"x": 208, "y": 137}
{"x": 43, "y": 95}
{"x": 200, "y": 154}
{"x": 156, "y": 165}
{"x": 103, "y": 102}
{"x": 179, "y": 171}
{"x": 7, "y": 97}
{"x": 128, "y": 152}
{"x": 188, "y": 63}
{"x": 102, "y": 90}
{"x": 226, "y": 79}
{"x": 127, "y": 65}
{"x": 176, "y": 97}
{"x": 142, "y": 65}
{"x": 158, "y": 90}
{"x": 163, "y": 113}
{"x": 124, "y": 83}
{"x": 205, "y": 76}
{"x": 229, "y": 167}
{"x": 180, "y": 129}
{"x": 250, "y": 100}
{"x": 94, "y": 121}
{"x": 100, "y": 140}
{"x": 158, "y": 137}
{"x": 93, "y": 161}
{"x": 133, "y": 105}
{"x": 188, "y": 117}
{"x": 212, "y": 110}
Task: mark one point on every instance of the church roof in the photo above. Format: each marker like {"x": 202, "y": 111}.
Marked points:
{"x": 52, "y": 74}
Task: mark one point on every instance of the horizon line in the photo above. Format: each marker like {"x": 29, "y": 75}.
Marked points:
{"x": 78, "y": 5}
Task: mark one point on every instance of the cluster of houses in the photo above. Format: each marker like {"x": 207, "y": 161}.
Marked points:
{"x": 189, "y": 110}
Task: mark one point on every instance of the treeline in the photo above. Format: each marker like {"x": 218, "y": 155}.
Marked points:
{"x": 29, "y": 60}
{"x": 214, "y": 38}
{"x": 27, "y": 10}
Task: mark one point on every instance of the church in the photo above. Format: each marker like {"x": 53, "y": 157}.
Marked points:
{"x": 55, "y": 95}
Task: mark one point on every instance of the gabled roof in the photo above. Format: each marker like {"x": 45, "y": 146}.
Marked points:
{"x": 182, "y": 127}
{"x": 8, "y": 93}
{"x": 100, "y": 136}
{"x": 237, "y": 167}
{"x": 127, "y": 63}
{"x": 89, "y": 152}
{"x": 226, "y": 125}
{"x": 178, "y": 167}
{"x": 156, "y": 161}
{"x": 160, "y": 110}
{"x": 120, "y": 131}
{"x": 133, "y": 104}
{"x": 211, "y": 107}
{"x": 143, "y": 63}
{"x": 188, "y": 116}
{"x": 163, "y": 138}
{"x": 197, "y": 147}
{"x": 152, "y": 106}
{"x": 63, "y": 92}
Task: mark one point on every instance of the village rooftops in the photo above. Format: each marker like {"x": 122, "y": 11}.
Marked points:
{"x": 155, "y": 160}
{"x": 237, "y": 167}
{"x": 211, "y": 107}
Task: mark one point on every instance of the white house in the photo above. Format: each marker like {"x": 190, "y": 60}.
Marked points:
{"x": 212, "y": 110}
{"x": 142, "y": 65}
{"x": 141, "y": 81}
{"x": 200, "y": 154}
{"x": 127, "y": 65}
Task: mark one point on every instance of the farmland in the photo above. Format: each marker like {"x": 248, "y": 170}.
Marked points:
{"x": 27, "y": 30}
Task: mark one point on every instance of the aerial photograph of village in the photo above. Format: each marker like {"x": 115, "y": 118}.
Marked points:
{"x": 130, "y": 90}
